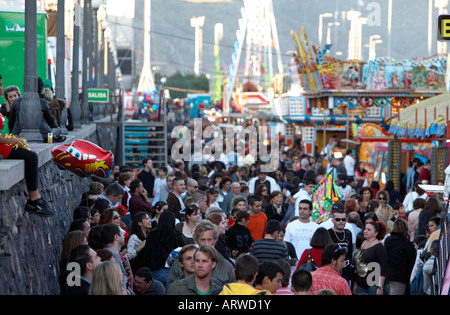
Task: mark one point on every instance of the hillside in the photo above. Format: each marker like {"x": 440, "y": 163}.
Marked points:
{"x": 173, "y": 37}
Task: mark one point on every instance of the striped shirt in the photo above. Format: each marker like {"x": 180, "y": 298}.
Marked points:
{"x": 267, "y": 249}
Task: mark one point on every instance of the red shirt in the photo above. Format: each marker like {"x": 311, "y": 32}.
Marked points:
{"x": 316, "y": 255}
{"x": 5, "y": 150}
{"x": 327, "y": 278}
{"x": 257, "y": 226}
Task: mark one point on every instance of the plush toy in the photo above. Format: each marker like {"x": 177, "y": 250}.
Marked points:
{"x": 84, "y": 158}
{"x": 325, "y": 194}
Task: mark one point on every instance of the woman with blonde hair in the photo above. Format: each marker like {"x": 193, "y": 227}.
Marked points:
{"x": 107, "y": 280}
{"x": 384, "y": 214}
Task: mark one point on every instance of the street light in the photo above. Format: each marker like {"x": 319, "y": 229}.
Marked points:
{"x": 75, "y": 108}
{"x": 329, "y": 31}
{"x": 197, "y": 23}
{"x": 30, "y": 110}
{"x": 373, "y": 40}
{"x": 321, "y": 16}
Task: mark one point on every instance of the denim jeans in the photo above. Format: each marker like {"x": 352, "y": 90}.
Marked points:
{"x": 396, "y": 288}
{"x": 161, "y": 275}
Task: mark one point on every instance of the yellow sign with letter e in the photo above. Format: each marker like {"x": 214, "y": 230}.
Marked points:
{"x": 443, "y": 28}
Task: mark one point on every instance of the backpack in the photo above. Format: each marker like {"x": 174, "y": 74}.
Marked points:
{"x": 416, "y": 286}
{"x": 310, "y": 265}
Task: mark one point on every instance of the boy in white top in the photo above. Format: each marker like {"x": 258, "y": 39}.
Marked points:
{"x": 300, "y": 232}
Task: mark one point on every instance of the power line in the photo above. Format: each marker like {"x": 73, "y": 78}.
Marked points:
{"x": 185, "y": 38}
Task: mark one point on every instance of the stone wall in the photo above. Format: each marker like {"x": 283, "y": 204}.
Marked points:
{"x": 30, "y": 246}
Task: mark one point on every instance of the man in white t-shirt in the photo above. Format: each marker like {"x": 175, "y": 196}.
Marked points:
{"x": 349, "y": 163}
{"x": 300, "y": 232}
{"x": 304, "y": 193}
{"x": 159, "y": 183}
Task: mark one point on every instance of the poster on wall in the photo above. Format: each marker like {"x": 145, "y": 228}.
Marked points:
{"x": 412, "y": 74}
{"x": 345, "y": 75}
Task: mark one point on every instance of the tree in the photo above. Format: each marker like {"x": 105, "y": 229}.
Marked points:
{"x": 183, "y": 84}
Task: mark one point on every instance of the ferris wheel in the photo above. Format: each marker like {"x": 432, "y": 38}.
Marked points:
{"x": 257, "y": 36}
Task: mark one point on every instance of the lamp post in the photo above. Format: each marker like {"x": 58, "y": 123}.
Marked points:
{"x": 75, "y": 108}
{"x": 95, "y": 53}
{"x": 373, "y": 40}
{"x": 85, "y": 70}
{"x": 197, "y": 23}
{"x": 329, "y": 31}
{"x": 30, "y": 109}
{"x": 321, "y": 16}
{"x": 60, "y": 91}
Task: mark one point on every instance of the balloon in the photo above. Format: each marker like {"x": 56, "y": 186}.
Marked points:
{"x": 84, "y": 158}
{"x": 2, "y": 122}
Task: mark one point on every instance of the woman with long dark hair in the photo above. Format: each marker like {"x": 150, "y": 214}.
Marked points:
{"x": 161, "y": 241}
{"x": 140, "y": 227}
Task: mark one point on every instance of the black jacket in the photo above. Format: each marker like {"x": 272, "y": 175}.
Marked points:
{"x": 401, "y": 256}
{"x": 272, "y": 214}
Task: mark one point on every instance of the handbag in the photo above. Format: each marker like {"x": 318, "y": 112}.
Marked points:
{"x": 310, "y": 265}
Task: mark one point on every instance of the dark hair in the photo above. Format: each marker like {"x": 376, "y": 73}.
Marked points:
{"x": 342, "y": 180}
{"x": 363, "y": 189}
{"x": 166, "y": 227}
{"x": 309, "y": 181}
{"x": 81, "y": 213}
{"x": 371, "y": 205}
{"x": 400, "y": 227}
{"x": 246, "y": 267}
{"x": 331, "y": 251}
{"x": 432, "y": 204}
{"x": 81, "y": 255}
{"x": 95, "y": 237}
{"x": 77, "y": 224}
{"x": 104, "y": 254}
{"x": 419, "y": 203}
{"x": 252, "y": 199}
{"x": 224, "y": 181}
{"x": 269, "y": 269}
{"x": 380, "y": 228}
{"x": 145, "y": 160}
{"x": 101, "y": 204}
{"x": 286, "y": 271}
{"x": 134, "y": 184}
{"x": 436, "y": 220}
{"x": 184, "y": 249}
{"x": 308, "y": 202}
{"x": 320, "y": 238}
{"x": 144, "y": 272}
{"x": 108, "y": 232}
{"x": 240, "y": 215}
{"x": 273, "y": 226}
{"x": 301, "y": 280}
{"x": 135, "y": 227}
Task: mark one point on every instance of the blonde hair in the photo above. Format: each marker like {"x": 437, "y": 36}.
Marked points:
{"x": 107, "y": 279}
{"x": 384, "y": 214}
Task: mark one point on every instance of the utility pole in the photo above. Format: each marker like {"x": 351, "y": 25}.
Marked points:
{"x": 30, "y": 109}
{"x": 60, "y": 91}
{"x": 75, "y": 108}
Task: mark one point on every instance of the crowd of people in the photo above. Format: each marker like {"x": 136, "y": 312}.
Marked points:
{"x": 217, "y": 228}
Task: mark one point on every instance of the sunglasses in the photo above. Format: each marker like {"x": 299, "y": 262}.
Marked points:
{"x": 381, "y": 198}
{"x": 340, "y": 219}
{"x": 116, "y": 217}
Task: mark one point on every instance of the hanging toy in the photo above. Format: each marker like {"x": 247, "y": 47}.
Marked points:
{"x": 325, "y": 194}
{"x": 84, "y": 158}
